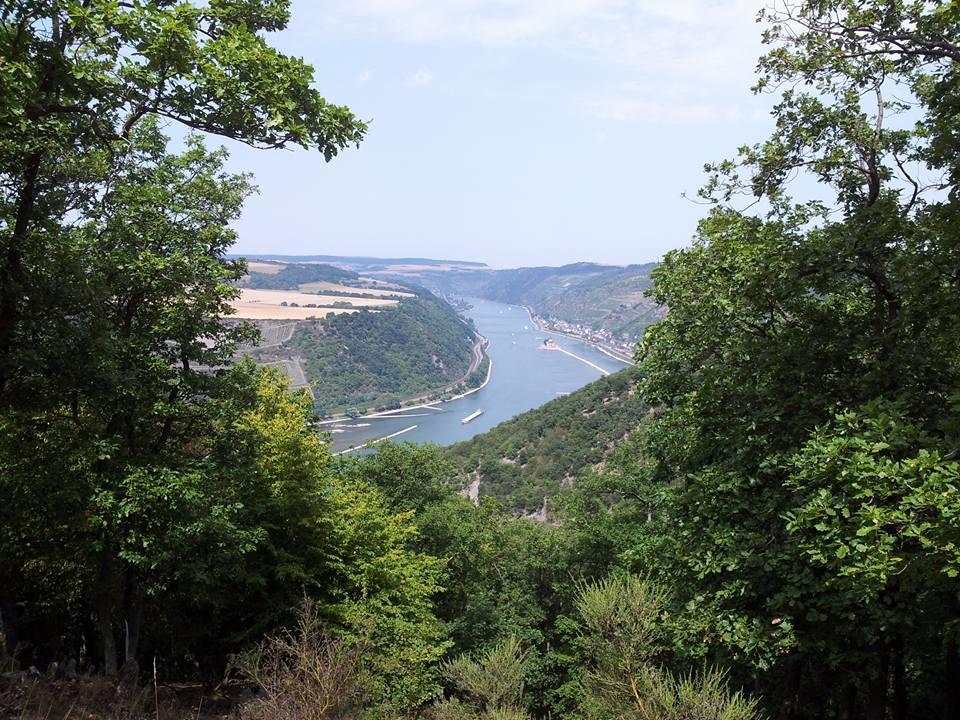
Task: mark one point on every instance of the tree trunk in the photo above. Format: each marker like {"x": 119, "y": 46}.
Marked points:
{"x": 105, "y": 611}
{"x": 877, "y": 689}
{"x": 11, "y": 272}
{"x": 8, "y": 622}
{"x": 794, "y": 677}
{"x": 899, "y": 681}
{"x": 849, "y": 711}
{"x": 133, "y": 617}
{"x": 951, "y": 705}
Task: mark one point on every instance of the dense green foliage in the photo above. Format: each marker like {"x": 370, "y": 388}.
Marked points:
{"x": 78, "y": 78}
{"x": 291, "y": 277}
{"x": 525, "y": 460}
{"x": 780, "y": 532}
{"x": 529, "y": 638}
{"x": 624, "y": 637}
{"x": 503, "y": 577}
{"x": 797, "y": 488}
{"x": 377, "y": 358}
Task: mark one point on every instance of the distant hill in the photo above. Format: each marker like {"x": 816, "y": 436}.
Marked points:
{"x": 375, "y": 359}
{"x": 535, "y": 454}
{"x": 613, "y": 301}
{"x": 602, "y": 303}
{"x": 361, "y": 263}
{"x": 288, "y": 276}
{"x": 358, "y": 343}
{"x": 608, "y": 300}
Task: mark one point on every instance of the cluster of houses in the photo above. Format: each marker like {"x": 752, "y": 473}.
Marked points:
{"x": 604, "y": 338}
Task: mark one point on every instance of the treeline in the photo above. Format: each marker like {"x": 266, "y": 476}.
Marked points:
{"x": 526, "y": 460}
{"x": 535, "y": 623}
{"x": 292, "y": 276}
{"x": 369, "y": 359}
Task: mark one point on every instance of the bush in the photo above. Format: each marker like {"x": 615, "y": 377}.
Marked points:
{"x": 305, "y": 674}
{"x": 488, "y": 686}
{"x": 622, "y": 637}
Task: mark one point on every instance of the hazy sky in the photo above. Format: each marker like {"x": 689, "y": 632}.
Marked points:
{"x": 514, "y": 132}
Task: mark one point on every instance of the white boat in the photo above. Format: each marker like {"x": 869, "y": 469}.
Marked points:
{"x": 471, "y": 417}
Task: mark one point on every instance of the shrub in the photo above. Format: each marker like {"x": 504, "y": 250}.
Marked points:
{"x": 304, "y": 674}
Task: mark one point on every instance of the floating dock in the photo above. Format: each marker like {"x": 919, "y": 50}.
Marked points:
{"x": 471, "y": 417}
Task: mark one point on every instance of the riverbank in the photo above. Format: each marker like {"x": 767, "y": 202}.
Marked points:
{"x": 432, "y": 405}
{"x": 615, "y": 354}
{"x": 479, "y": 351}
{"x": 524, "y": 377}
{"x": 374, "y": 442}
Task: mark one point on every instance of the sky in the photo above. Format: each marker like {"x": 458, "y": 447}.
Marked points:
{"x": 511, "y": 132}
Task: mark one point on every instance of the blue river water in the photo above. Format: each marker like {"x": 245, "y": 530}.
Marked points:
{"x": 525, "y": 376}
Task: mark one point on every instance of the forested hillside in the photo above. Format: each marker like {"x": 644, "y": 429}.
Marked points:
{"x": 537, "y": 454}
{"x": 292, "y": 276}
{"x": 376, "y": 358}
{"x": 606, "y": 299}
{"x": 615, "y": 302}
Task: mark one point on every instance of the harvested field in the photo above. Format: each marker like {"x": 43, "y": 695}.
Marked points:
{"x": 334, "y": 287}
{"x": 267, "y": 268}
{"x": 259, "y": 311}
{"x": 266, "y": 305}
{"x": 275, "y": 297}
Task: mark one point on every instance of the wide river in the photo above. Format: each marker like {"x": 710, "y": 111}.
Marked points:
{"x": 524, "y": 376}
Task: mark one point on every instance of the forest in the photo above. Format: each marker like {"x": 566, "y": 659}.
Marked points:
{"x": 778, "y": 537}
{"x": 528, "y": 460}
{"x": 374, "y": 358}
{"x": 291, "y": 277}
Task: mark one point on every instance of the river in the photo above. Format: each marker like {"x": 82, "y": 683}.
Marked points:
{"x": 524, "y": 376}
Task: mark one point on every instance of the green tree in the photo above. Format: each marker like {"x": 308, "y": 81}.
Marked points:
{"x": 78, "y": 77}
{"x": 113, "y": 289}
{"x": 504, "y": 577}
{"x": 489, "y": 685}
{"x": 624, "y": 621}
{"x": 146, "y": 322}
{"x": 783, "y": 316}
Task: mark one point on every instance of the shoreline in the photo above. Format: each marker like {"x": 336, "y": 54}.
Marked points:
{"x": 482, "y": 344}
{"x": 374, "y": 442}
{"x": 557, "y": 348}
{"x": 615, "y": 354}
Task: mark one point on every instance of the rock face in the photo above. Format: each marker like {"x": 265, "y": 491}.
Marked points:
{"x": 472, "y": 491}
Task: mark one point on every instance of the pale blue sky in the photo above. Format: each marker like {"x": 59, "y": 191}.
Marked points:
{"x": 513, "y": 132}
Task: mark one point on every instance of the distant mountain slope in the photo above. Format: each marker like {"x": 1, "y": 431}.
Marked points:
{"x": 604, "y": 304}
{"x": 606, "y": 299}
{"x": 376, "y": 359}
{"x": 365, "y": 343}
{"x": 362, "y": 263}
{"x": 535, "y": 454}
{"x": 612, "y": 301}
{"x": 292, "y": 276}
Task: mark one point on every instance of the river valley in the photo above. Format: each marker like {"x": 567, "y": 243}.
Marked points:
{"x": 525, "y": 375}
